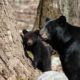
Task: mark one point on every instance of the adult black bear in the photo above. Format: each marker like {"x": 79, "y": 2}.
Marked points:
{"x": 65, "y": 39}
{"x": 42, "y": 56}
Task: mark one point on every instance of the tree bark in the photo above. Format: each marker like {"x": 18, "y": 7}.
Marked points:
{"x": 46, "y": 8}
{"x": 13, "y": 63}
{"x": 71, "y": 9}
{"x": 54, "y": 8}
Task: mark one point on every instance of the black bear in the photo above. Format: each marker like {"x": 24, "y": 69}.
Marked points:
{"x": 65, "y": 39}
{"x": 33, "y": 43}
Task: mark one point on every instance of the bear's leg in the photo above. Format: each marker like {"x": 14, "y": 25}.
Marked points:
{"x": 36, "y": 61}
{"x": 47, "y": 63}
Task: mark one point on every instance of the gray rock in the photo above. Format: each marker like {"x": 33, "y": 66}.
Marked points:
{"x": 52, "y": 75}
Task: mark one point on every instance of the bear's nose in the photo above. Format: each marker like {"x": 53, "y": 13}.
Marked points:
{"x": 29, "y": 42}
{"x": 43, "y": 33}
{"x": 44, "y": 36}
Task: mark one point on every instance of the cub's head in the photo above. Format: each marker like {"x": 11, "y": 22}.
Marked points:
{"x": 30, "y": 37}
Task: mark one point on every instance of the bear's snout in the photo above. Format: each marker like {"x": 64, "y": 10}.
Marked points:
{"x": 29, "y": 42}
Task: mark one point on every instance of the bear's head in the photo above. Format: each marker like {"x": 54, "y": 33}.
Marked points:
{"x": 30, "y": 37}
{"x": 52, "y": 27}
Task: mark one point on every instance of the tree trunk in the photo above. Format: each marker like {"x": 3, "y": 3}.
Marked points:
{"x": 13, "y": 63}
{"x": 54, "y": 8}
{"x": 46, "y": 8}
{"x": 71, "y": 9}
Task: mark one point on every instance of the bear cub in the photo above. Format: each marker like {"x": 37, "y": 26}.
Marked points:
{"x": 33, "y": 43}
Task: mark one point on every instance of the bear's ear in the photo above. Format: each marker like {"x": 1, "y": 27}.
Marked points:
{"x": 62, "y": 20}
{"x": 36, "y": 32}
{"x": 24, "y": 31}
{"x": 47, "y": 19}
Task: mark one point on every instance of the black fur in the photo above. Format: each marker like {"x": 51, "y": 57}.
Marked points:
{"x": 42, "y": 56}
{"x": 65, "y": 39}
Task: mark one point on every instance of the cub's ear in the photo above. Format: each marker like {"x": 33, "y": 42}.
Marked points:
{"x": 62, "y": 20}
{"x": 47, "y": 19}
{"x": 36, "y": 32}
{"x": 24, "y": 31}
